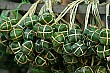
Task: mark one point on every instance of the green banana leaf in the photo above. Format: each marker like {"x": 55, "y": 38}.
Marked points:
{"x": 79, "y": 48}
{"x": 103, "y": 51}
{"x": 61, "y": 28}
{"x": 45, "y": 32}
{"x": 58, "y": 39}
{"x": 15, "y": 46}
{"x": 30, "y": 21}
{"x": 11, "y": 16}
{"x": 27, "y": 47}
{"x": 46, "y": 19}
{"x": 20, "y": 58}
{"x": 29, "y": 34}
{"x": 105, "y": 37}
{"x": 67, "y": 47}
{"x": 75, "y": 35}
{"x": 16, "y": 34}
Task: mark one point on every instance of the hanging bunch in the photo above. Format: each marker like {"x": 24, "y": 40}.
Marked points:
{"x": 75, "y": 33}
{"x": 92, "y": 32}
{"x": 47, "y": 44}
{"x": 43, "y": 31}
{"x": 8, "y": 19}
{"x": 23, "y": 36}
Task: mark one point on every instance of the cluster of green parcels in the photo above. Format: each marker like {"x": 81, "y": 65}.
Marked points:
{"x": 48, "y": 47}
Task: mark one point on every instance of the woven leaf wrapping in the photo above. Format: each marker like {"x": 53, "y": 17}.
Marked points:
{"x": 15, "y": 47}
{"x": 27, "y": 47}
{"x": 91, "y": 49}
{"x": 93, "y": 34}
{"x": 5, "y": 26}
{"x": 85, "y": 69}
{"x": 21, "y": 26}
{"x": 79, "y": 49}
{"x": 46, "y": 18}
{"x": 67, "y": 47}
{"x": 70, "y": 59}
{"x": 53, "y": 45}
{"x": 58, "y": 39}
{"x": 105, "y": 37}
{"x": 41, "y": 44}
{"x": 103, "y": 51}
{"x": 11, "y": 16}
{"x": 30, "y": 21}
{"x": 16, "y": 34}
{"x": 45, "y": 32}
{"x": 50, "y": 56}
{"x": 20, "y": 58}
{"x": 58, "y": 49}
{"x": 61, "y": 28}
{"x": 36, "y": 27}
{"x": 86, "y": 31}
{"x": 29, "y": 34}
{"x": 38, "y": 46}
{"x": 75, "y": 35}
{"x": 40, "y": 61}
{"x": 31, "y": 57}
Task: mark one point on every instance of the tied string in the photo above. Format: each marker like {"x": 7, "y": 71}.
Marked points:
{"x": 73, "y": 15}
{"x": 47, "y": 7}
{"x": 48, "y": 4}
{"x": 69, "y": 6}
{"x": 95, "y": 12}
{"x": 42, "y": 10}
{"x": 87, "y": 15}
{"x": 41, "y": 58}
{"x": 29, "y": 49}
{"x": 56, "y": 1}
{"x": 53, "y": 1}
{"x": 17, "y": 49}
{"x": 23, "y": 2}
{"x": 51, "y": 54}
{"x": 107, "y": 14}
{"x": 30, "y": 12}
{"x": 16, "y": 10}
{"x": 19, "y": 58}
{"x": 86, "y": 1}
{"x": 89, "y": 1}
